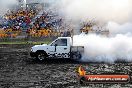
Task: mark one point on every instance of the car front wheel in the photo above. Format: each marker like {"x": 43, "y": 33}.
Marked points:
{"x": 41, "y": 56}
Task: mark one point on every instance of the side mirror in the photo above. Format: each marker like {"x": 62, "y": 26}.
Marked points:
{"x": 55, "y": 45}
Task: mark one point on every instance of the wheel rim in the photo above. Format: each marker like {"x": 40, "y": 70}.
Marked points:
{"x": 76, "y": 56}
{"x": 41, "y": 57}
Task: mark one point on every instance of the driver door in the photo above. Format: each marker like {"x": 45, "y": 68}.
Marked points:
{"x": 61, "y": 48}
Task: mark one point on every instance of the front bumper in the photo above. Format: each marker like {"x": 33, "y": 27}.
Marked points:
{"x": 33, "y": 54}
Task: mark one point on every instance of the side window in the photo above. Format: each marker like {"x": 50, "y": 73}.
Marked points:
{"x": 60, "y": 42}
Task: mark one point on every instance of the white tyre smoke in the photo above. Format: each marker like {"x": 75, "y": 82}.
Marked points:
{"x": 103, "y": 49}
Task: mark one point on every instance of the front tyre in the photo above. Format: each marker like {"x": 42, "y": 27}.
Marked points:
{"x": 41, "y": 56}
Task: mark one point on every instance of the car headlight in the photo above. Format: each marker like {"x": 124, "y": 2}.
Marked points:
{"x": 31, "y": 50}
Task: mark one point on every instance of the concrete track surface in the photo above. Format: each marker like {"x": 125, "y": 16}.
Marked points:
{"x": 18, "y": 70}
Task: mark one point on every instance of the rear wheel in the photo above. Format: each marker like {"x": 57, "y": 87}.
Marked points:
{"x": 76, "y": 56}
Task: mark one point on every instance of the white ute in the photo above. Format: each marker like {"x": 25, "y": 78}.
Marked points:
{"x": 62, "y": 47}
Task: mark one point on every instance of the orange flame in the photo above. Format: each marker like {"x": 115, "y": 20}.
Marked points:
{"x": 81, "y": 71}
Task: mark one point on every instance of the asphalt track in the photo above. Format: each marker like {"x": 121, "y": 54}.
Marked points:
{"x": 18, "y": 70}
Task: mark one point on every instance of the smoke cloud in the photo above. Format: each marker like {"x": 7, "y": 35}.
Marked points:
{"x": 116, "y": 28}
{"x": 115, "y": 15}
{"x": 5, "y": 5}
{"x": 102, "y": 10}
{"x": 103, "y": 49}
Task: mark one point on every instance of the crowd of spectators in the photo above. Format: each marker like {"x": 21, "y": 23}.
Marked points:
{"x": 48, "y": 24}
{"x": 19, "y": 19}
{"x": 16, "y": 21}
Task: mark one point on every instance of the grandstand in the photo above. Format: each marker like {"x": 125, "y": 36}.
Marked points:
{"x": 34, "y": 21}
{"x": 92, "y": 27}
